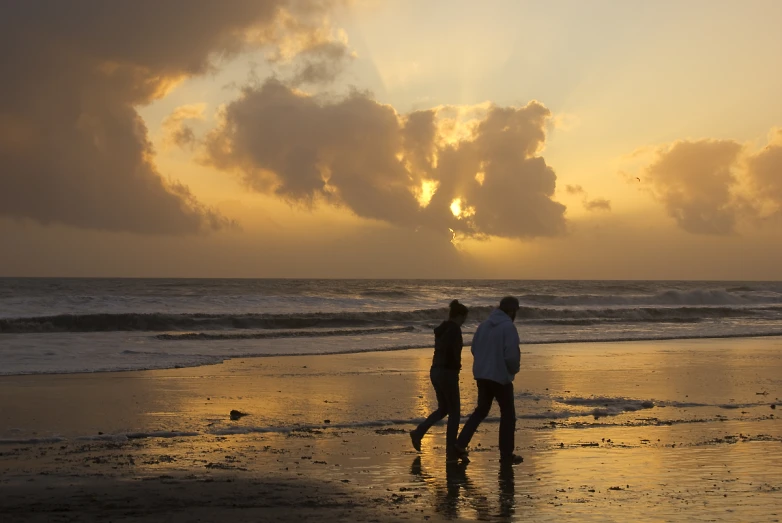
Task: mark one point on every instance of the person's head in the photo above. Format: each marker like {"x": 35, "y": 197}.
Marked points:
{"x": 509, "y": 305}
{"x": 457, "y": 312}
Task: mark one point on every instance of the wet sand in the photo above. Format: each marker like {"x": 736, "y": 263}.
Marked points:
{"x": 651, "y": 431}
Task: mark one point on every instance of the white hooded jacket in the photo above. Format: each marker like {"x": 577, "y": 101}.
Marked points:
{"x": 495, "y": 349}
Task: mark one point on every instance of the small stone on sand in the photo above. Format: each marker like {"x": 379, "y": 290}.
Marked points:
{"x": 235, "y": 414}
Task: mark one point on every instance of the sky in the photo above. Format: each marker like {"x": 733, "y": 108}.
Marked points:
{"x": 392, "y": 139}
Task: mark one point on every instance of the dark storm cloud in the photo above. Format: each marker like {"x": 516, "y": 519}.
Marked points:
{"x": 73, "y": 149}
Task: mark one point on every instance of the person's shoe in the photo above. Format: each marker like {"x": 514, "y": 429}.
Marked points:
{"x": 454, "y": 456}
{"x": 513, "y": 459}
{"x": 459, "y": 452}
{"x": 415, "y": 438}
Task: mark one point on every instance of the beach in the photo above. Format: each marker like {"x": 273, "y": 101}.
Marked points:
{"x": 678, "y": 430}
{"x": 250, "y": 250}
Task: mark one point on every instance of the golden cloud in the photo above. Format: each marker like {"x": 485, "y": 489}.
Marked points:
{"x": 712, "y": 186}
{"x": 406, "y": 170}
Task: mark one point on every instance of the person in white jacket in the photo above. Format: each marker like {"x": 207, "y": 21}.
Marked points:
{"x": 496, "y": 360}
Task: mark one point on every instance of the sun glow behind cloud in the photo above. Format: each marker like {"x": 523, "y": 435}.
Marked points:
{"x": 456, "y": 207}
{"x": 426, "y": 192}
{"x": 459, "y": 210}
{"x": 665, "y": 84}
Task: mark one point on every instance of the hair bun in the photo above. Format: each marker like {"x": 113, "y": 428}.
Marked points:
{"x": 457, "y": 309}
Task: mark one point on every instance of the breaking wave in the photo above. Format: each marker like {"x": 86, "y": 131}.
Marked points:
{"x": 165, "y": 322}
{"x": 278, "y": 334}
{"x": 697, "y": 297}
{"x": 344, "y": 320}
{"x": 95, "y": 325}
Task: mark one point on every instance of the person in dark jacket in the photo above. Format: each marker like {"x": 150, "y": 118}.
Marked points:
{"x": 446, "y": 364}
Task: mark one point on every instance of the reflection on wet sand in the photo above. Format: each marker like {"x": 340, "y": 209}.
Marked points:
{"x": 454, "y": 494}
{"x": 608, "y": 432}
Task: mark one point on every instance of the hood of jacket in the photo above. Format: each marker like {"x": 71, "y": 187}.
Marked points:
{"x": 495, "y": 349}
{"x": 497, "y": 317}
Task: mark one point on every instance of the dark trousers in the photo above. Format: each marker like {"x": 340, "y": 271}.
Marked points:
{"x": 488, "y": 391}
{"x": 446, "y": 386}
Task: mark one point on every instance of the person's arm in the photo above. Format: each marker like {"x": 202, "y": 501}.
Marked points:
{"x": 452, "y": 343}
{"x": 511, "y": 350}
{"x": 475, "y": 338}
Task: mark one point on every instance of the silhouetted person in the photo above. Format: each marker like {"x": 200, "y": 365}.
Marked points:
{"x": 495, "y": 348}
{"x": 446, "y": 364}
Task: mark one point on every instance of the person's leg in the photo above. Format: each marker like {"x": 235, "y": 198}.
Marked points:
{"x": 504, "y": 394}
{"x": 450, "y": 387}
{"x": 485, "y": 397}
{"x": 442, "y": 406}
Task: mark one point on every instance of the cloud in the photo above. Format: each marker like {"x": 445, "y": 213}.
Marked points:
{"x": 598, "y": 204}
{"x": 321, "y": 64}
{"x": 73, "y": 149}
{"x": 478, "y": 177}
{"x": 764, "y": 172}
{"x": 503, "y": 187}
{"x": 176, "y": 131}
{"x": 696, "y": 181}
{"x": 716, "y": 186}
{"x": 287, "y": 143}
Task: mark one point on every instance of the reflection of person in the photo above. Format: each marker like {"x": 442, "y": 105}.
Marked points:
{"x": 446, "y": 496}
{"x": 507, "y": 483}
{"x": 446, "y": 364}
{"x": 495, "y": 348}
{"x": 458, "y": 491}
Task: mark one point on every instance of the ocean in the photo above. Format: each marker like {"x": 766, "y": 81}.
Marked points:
{"x": 67, "y": 325}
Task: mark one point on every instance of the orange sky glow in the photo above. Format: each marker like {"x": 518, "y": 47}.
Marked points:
{"x": 443, "y": 139}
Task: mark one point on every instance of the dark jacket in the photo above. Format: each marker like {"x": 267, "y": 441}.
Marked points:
{"x": 448, "y": 346}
